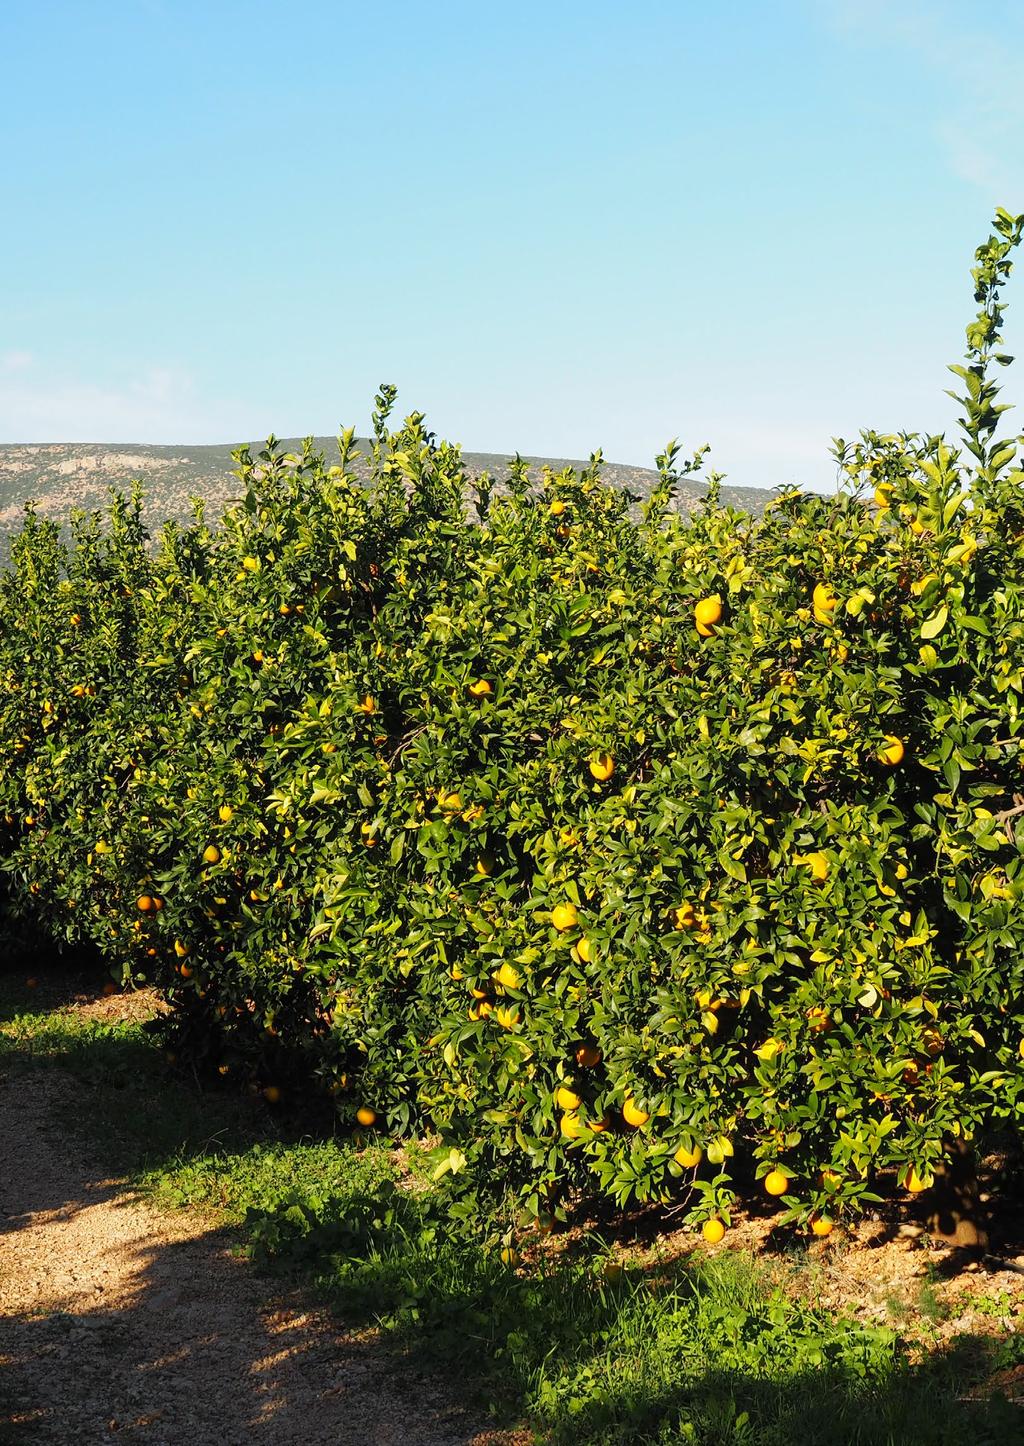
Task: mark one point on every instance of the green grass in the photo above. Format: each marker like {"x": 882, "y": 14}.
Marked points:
{"x": 710, "y": 1350}
{"x": 177, "y": 1143}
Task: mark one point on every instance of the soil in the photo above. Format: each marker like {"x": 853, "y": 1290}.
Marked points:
{"x": 118, "y": 1321}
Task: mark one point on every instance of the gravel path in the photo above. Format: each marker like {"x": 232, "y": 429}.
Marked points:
{"x": 121, "y": 1322}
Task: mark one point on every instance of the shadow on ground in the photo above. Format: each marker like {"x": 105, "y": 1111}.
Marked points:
{"x": 120, "y": 1322}
{"x": 112, "y": 1327}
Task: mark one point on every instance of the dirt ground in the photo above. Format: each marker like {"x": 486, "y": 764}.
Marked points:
{"x": 121, "y": 1322}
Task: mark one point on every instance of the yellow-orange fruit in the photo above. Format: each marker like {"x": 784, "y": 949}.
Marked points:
{"x": 602, "y": 766}
{"x": 707, "y": 614}
{"x": 893, "y": 751}
{"x": 776, "y": 1183}
{"x": 564, "y": 916}
{"x": 633, "y": 1114}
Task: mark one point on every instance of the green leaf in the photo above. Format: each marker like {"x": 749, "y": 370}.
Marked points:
{"x": 932, "y": 627}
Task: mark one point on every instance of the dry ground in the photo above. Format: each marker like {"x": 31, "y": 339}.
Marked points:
{"x": 121, "y": 1322}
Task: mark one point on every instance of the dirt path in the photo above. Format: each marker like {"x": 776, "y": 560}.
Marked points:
{"x": 119, "y": 1322}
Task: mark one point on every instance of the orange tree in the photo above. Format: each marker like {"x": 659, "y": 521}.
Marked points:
{"x": 624, "y": 851}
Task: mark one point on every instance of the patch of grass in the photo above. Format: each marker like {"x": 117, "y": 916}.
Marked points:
{"x": 708, "y": 1350}
{"x": 266, "y": 1175}
{"x": 180, "y": 1145}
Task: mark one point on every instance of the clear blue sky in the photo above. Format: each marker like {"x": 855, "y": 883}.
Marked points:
{"x": 555, "y": 225}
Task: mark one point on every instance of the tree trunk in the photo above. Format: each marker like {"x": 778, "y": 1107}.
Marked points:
{"x": 957, "y": 1214}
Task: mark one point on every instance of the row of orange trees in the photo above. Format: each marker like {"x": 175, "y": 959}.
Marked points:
{"x": 623, "y": 851}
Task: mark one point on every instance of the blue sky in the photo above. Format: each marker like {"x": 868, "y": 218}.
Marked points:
{"x": 555, "y": 225}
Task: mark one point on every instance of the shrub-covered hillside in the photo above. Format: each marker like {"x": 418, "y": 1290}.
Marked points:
{"x": 626, "y": 854}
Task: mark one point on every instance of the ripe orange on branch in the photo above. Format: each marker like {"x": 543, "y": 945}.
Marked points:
{"x": 892, "y": 751}
{"x": 707, "y": 614}
{"x": 564, "y": 917}
{"x": 602, "y": 766}
{"x": 776, "y": 1183}
{"x": 634, "y": 1116}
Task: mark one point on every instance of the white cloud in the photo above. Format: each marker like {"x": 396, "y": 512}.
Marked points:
{"x": 982, "y": 129}
{"x": 15, "y": 361}
{"x": 160, "y": 405}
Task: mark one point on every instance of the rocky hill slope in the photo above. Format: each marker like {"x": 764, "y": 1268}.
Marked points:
{"x": 61, "y": 476}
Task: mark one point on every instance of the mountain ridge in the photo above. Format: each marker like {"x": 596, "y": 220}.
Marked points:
{"x": 61, "y": 476}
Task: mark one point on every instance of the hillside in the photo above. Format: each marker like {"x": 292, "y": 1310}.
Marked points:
{"x": 61, "y": 476}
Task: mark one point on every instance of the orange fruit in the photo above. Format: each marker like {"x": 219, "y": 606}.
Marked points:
{"x": 707, "y": 613}
{"x": 713, "y": 1231}
{"x": 689, "y": 1158}
{"x": 480, "y": 688}
{"x": 776, "y": 1183}
{"x": 933, "y": 1041}
{"x": 825, "y": 602}
{"x": 557, "y": 507}
{"x": 585, "y": 949}
{"x": 211, "y": 854}
{"x": 914, "y": 1182}
{"x": 272, "y": 1095}
{"x": 567, "y": 1099}
{"x": 564, "y": 916}
{"x": 602, "y": 766}
{"x": 144, "y": 903}
{"x": 821, "y": 1225}
{"x": 633, "y": 1114}
{"x": 571, "y": 1125}
{"x": 509, "y": 977}
{"x": 32, "y": 983}
{"x": 893, "y": 751}
{"x": 366, "y": 1116}
{"x": 819, "y": 1019}
{"x": 588, "y": 1055}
